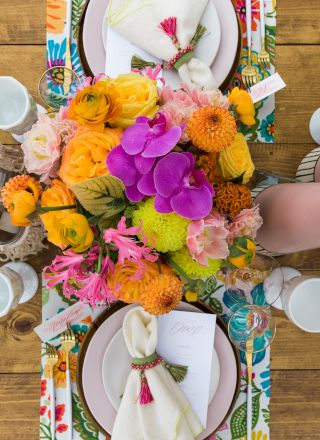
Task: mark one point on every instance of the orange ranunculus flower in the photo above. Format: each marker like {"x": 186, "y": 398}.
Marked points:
{"x": 74, "y": 231}
{"x": 56, "y": 195}
{"x": 95, "y": 105}
{"x": 243, "y": 105}
{"x": 86, "y": 153}
{"x": 19, "y": 196}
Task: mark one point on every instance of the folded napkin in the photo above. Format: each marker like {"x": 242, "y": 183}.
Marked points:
{"x": 153, "y": 407}
{"x": 168, "y": 30}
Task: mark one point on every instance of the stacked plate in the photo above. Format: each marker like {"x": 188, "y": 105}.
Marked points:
{"x": 104, "y": 364}
{"x": 220, "y": 48}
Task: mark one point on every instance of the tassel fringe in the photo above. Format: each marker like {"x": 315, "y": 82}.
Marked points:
{"x": 201, "y": 30}
{"x": 145, "y": 395}
{"x": 178, "y": 372}
{"x": 139, "y": 63}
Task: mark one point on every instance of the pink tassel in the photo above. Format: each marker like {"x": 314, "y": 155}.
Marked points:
{"x": 145, "y": 395}
{"x": 169, "y": 27}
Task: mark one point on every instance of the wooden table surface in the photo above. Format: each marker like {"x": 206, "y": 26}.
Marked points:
{"x": 295, "y": 355}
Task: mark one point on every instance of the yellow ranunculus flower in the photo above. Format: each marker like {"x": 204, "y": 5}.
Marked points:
{"x": 75, "y": 231}
{"x": 56, "y": 195}
{"x": 138, "y": 96}
{"x": 23, "y": 204}
{"x": 86, "y": 153}
{"x": 243, "y": 104}
{"x": 235, "y": 160}
{"x": 95, "y": 105}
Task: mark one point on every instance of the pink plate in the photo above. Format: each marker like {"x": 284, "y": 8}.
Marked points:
{"x": 221, "y": 67}
{"x": 92, "y": 383}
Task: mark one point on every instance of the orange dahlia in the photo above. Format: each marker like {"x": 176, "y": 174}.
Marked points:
{"x": 211, "y": 128}
{"x": 207, "y": 163}
{"x": 162, "y": 293}
{"x": 122, "y": 284}
{"x": 231, "y": 198}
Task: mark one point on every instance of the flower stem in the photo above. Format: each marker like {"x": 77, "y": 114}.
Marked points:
{"x": 100, "y": 260}
{"x": 179, "y": 270}
{"x": 43, "y": 209}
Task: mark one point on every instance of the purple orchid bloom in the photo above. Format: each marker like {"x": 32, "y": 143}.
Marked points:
{"x": 141, "y": 145}
{"x": 181, "y": 188}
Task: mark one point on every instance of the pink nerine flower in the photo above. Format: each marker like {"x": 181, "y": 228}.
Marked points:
{"x": 179, "y": 105}
{"x": 207, "y": 238}
{"x": 94, "y": 289}
{"x": 129, "y": 248}
{"x": 247, "y": 222}
{"x": 70, "y": 266}
{"x": 151, "y": 73}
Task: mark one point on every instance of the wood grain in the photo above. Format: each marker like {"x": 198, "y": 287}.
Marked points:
{"x": 19, "y": 406}
{"x": 295, "y": 405}
{"x": 20, "y": 346}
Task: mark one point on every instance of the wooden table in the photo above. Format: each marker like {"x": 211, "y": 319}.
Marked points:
{"x": 295, "y": 363}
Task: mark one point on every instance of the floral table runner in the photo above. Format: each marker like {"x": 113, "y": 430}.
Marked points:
{"x": 262, "y": 131}
{"x": 84, "y": 429}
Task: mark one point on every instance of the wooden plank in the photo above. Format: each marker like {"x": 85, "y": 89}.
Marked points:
{"x": 23, "y": 22}
{"x": 19, "y": 406}
{"x": 294, "y": 26}
{"x": 293, "y": 394}
{"x": 20, "y": 346}
{"x": 293, "y": 349}
{"x": 295, "y": 405}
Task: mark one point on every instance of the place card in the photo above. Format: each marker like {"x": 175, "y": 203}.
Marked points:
{"x": 187, "y": 338}
{"x": 58, "y": 323}
{"x": 266, "y": 87}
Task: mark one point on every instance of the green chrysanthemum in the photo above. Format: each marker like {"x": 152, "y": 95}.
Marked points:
{"x": 166, "y": 232}
{"x": 193, "y": 269}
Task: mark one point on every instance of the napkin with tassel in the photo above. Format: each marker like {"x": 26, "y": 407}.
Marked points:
{"x": 166, "y": 29}
{"x": 153, "y": 407}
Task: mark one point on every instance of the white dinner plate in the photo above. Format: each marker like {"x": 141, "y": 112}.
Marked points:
{"x": 115, "y": 379}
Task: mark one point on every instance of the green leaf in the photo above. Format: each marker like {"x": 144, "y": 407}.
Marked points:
{"x": 235, "y": 252}
{"x": 77, "y": 8}
{"x": 266, "y": 415}
{"x": 215, "y": 305}
{"x": 106, "y": 222}
{"x": 103, "y": 195}
{"x": 81, "y": 422}
{"x": 238, "y": 179}
{"x": 45, "y": 295}
{"x": 238, "y": 422}
{"x": 242, "y": 242}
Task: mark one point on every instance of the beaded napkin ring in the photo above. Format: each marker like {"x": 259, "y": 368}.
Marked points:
{"x": 182, "y": 56}
{"x": 178, "y": 372}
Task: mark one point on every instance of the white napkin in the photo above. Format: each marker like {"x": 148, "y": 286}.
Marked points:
{"x": 139, "y": 22}
{"x": 169, "y": 416}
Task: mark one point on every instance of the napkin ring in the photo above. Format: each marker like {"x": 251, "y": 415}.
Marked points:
{"x": 178, "y": 373}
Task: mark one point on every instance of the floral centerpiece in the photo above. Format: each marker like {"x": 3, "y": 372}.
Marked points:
{"x": 142, "y": 188}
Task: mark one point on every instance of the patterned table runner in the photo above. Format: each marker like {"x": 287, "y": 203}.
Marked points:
{"x": 262, "y": 131}
{"x": 83, "y": 428}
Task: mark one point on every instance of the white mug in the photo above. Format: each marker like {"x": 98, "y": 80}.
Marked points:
{"x": 18, "y": 110}
{"x": 301, "y": 302}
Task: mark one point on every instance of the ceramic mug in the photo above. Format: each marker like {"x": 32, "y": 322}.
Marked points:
{"x": 18, "y": 110}
{"x": 301, "y": 302}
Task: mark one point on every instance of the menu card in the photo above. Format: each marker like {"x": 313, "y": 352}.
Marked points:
{"x": 187, "y": 338}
